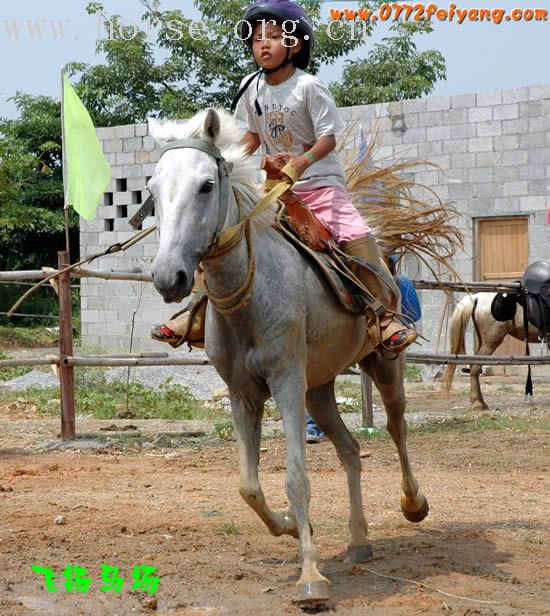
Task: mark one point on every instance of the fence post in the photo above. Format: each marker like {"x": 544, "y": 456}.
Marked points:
{"x": 66, "y": 373}
{"x": 367, "y": 419}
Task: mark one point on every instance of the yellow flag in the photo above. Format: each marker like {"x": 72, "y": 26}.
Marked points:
{"x": 87, "y": 171}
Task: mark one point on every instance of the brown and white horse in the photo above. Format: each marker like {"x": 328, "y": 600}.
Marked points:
{"x": 489, "y": 332}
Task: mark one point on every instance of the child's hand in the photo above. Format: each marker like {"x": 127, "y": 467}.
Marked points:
{"x": 300, "y": 163}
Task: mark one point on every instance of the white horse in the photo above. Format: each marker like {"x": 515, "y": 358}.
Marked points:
{"x": 273, "y": 327}
{"x": 489, "y": 332}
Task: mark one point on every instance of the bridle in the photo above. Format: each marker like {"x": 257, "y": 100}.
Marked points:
{"x": 224, "y": 169}
{"x": 229, "y": 237}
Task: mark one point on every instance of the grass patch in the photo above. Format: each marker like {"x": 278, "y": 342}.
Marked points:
{"x": 348, "y": 396}
{"x": 413, "y": 373}
{"x": 26, "y": 337}
{"x": 224, "y": 430}
{"x": 12, "y": 372}
{"x": 466, "y": 424}
{"x": 378, "y": 434}
{"x": 98, "y": 398}
{"x": 348, "y": 389}
{"x": 228, "y": 530}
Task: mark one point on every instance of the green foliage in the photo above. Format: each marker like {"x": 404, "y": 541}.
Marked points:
{"x": 103, "y": 399}
{"x": 30, "y": 337}
{"x": 371, "y": 433}
{"x": 470, "y": 423}
{"x": 193, "y": 73}
{"x": 12, "y": 372}
{"x": 393, "y": 70}
{"x": 98, "y": 397}
{"x": 228, "y": 530}
{"x": 224, "y": 430}
{"x": 413, "y": 372}
{"x": 31, "y": 187}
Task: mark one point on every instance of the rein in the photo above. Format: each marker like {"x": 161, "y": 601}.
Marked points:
{"x": 228, "y": 238}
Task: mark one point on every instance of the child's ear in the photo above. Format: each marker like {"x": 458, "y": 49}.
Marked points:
{"x": 296, "y": 48}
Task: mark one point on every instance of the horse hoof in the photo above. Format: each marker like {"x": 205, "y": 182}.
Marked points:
{"x": 359, "y": 554}
{"x": 312, "y": 594}
{"x": 412, "y": 510}
{"x": 479, "y": 406}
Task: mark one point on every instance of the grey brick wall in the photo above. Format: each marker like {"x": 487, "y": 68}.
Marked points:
{"x": 493, "y": 149}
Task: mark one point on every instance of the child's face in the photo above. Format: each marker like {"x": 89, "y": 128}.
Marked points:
{"x": 270, "y": 51}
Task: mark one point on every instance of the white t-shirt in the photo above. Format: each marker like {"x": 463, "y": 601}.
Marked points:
{"x": 295, "y": 114}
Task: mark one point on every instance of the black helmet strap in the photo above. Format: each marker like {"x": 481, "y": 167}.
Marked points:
{"x": 267, "y": 71}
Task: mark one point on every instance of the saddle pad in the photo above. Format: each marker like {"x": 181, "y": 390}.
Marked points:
{"x": 330, "y": 266}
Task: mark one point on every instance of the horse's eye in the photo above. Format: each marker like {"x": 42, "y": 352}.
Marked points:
{"x": 207, "y": 186}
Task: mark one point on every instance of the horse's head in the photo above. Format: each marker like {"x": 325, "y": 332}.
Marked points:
{"x": 187, "y": 186}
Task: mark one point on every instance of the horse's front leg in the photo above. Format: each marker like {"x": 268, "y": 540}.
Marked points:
{"x": 247, "y": 416}
{"x": 388, "y": 376}
{"x": 289, "y": 391}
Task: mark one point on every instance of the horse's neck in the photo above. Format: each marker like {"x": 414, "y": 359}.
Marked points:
{"x": 226, "y": 274}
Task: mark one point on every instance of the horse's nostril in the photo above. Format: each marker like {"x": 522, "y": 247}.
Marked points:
{"x": 181, "y": 278}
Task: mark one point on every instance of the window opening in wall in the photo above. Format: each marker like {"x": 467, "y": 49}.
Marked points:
{"x": 122, "y": 185}
{"x": 109, "y": 224}
{"x": 108, "y": 198}
{"x": 136, "y": 196}
{"x": 122, "y": 211}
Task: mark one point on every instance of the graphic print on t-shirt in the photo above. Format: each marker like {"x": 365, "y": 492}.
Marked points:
{"x": 277, "y": 130}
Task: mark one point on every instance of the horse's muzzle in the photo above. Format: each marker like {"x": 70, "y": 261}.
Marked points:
{"x": 173, "y": 287}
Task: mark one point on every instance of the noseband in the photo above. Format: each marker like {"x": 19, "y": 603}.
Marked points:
{"x": 226, "y": 238}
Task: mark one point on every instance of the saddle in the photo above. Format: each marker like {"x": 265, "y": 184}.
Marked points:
{"x": 297, "y": 223}
{"x": 533, "y": 296}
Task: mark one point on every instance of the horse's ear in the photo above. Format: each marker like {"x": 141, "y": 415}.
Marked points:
{"x": 211, "y": 128}
{"x": 156, "y": 130}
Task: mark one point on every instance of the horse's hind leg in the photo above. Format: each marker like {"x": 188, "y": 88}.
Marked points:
{"x": 388, "y": 378}
{"x": 321, "y": 403}
{"x": 487, "y": 347}
{"x": 247, "y": 414}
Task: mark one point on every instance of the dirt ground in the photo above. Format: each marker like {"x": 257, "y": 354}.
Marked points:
{"x": 486, "y": 538}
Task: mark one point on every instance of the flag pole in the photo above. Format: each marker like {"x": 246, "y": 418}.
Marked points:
{"x": 64, "y": 163}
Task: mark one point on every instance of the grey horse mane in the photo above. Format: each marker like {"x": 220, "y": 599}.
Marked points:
{"x": 244, "y": 167}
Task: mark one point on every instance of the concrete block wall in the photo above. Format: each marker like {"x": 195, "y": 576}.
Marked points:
{"x": 493, "y": 150}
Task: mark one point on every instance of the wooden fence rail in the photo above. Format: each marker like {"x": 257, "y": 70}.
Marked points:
{"x": 66, "y": 361}
{"x": 144, "y": 359}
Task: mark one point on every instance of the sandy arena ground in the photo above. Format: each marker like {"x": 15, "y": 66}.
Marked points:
{"x": 486, "y": 538}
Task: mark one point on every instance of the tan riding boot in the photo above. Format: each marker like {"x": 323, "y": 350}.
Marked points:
{"x": 187, "y": 325}
{"x": 392, "y": 335}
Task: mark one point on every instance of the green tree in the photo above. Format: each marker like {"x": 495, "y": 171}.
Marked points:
{"x": 31, "y": 198}
{"x": 192, "y": 74}
{"x": 393, "y": 70}
{"x": 31, "y": 185}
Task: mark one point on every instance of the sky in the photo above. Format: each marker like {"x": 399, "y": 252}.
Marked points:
{"x": 480, "y": 56}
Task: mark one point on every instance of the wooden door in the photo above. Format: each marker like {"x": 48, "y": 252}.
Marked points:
{"x": 502, "y": 255}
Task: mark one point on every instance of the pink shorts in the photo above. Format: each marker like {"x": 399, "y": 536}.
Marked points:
{"x": 333, "y": 207}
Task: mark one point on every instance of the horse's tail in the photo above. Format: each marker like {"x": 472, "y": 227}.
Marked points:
{"x": 459, "y": 321}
